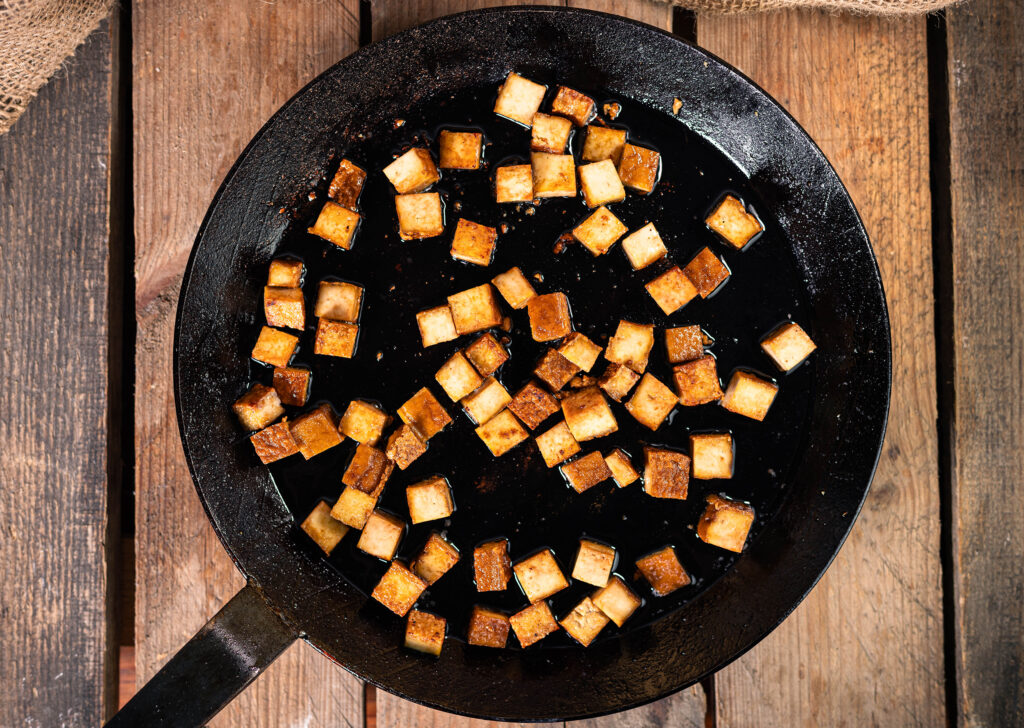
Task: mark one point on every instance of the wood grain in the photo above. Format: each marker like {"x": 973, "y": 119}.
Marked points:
{"x": 57, "y": 666}
{"x": 865, "y": 648}
{"x": 206, "y": 76}
{"x": 986, "y": 70}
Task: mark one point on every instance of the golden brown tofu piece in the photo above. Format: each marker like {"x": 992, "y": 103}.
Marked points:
{"x": 707, "y": 272}
{"x": 284, "y": 307}
{"x": 555, "y": 370}
{"x": 557, "y": 444}
{"x": 533, "y": 405}
{"x": 274, "y": 443}
{"x": 473, "y": 243}
{"x": 316, "y": 431}
{"x": 258, "y": 407}
{"x": 788, "y": 345}
{"x": 419, "y": 215}
{"x": 601, "y": 184}
{"x": 712, "y": 455}
{"x": 554, "y": 175}
{"x": 336, "y": 224}
{"x": 353, "y": 507}
{"x": 414, "y": 171}
{"x": 549, "y": 316}
{"x": 588, "y": 415}
{"x": 347, "y": 185}
{"x": 550, "y": 133}
{"x": 365, "y": 470}
{"x": 533, "y": 623}
{"x": 671, "y": 290}
{"x": 652, "y": 402}
{"x": 585, "y": 472}
{"x": 285, "y": 273}
{"x": 486, "y": 354}
{"x": 364, "y": 422}
{"x": 335, "y": 338}
{"x": 513, "y": 183}
{"x": 631, "y": 345}
{"x": 460, "y": 149}
{"x": 436, "y": 559}
{"x": 663, "y": 571}
{"x": 292, "y": 385}
{"x": 429, "y": 500}
{"x": 644, "y": 246}
{"x": 539, "y": 576}
{"x": 339, "y": 301}
{"x": 594, "y": 562}
{"x": 404, "y": 446}
{"x": 424, "y": 414}
{"x": 475, "y": 309}
{"x": 488, "y": 400}
{"x": 491, "y": 566}
{"x": 584, "y": 622}
{"x": 519, "y": 99}
{"x": 617, "y": 380}
{"x": 639, "y": 168}
{"x": 381, "y": 535}
{"x": 457, "y": 377}
{"x": 573, "y": 105}
{"x": 622, "y": 468}
{"x": 399, "y": 589}
{"x": 684, "y": 343}
{"x": 616, "y": 600}
{"x": 580, "y": 350}
{"x": 274, "y": 347}
{"x": 733, "y": 223}
{"x": 425, "y": 632}
{"x": 749, "y": 395}
{"x": 666, "y": 473}
{"x": 603, "y": 142}
{"x": 725, "y": 523}
{"x": 324, "y": 530}
{"x": 599, "y": 232}
{"x": 436, "y": 326}
{"x": 487, "y": 628}
{"x": 514, "y": 288}
{"x": 501, "y": 433}
{"x": 697, "y": 381}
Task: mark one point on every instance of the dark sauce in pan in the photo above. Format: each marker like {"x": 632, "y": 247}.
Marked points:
{"x": 516, "y": 496}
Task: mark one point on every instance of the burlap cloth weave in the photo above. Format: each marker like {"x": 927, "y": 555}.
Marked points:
{"x": 36, "y": 36}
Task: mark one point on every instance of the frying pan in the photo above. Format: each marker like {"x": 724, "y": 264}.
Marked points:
{"x": 806, "y": 468}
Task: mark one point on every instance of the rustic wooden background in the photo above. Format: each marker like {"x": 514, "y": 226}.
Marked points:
{"x": 109, "y": 561}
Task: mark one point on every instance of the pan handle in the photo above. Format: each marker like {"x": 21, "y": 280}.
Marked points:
{"x": 227, "y": 654}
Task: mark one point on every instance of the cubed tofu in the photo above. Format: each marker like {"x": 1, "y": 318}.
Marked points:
{"x": 599, "y": 232}
{"x": 436, "y": 559}
{"x": 584, "y": 622}
{"x": 285, "y": 273}
{"x": 419, "y": 215}
{"x": 365, "y": 469}
{"x": 324, "y": 530}
{"x": 258, "y": 407}
{"x": 663, "y": 571}
{"x": 617, "y": 380}
{"x": 594, "y": 563}
{"x": 733, "y": 223}
{"x": 725, "y": 523}
{"x": 554, "y": 175}
{"x": 364, "y": 422}
{"x": 487, "y": 628}
{"x": 514, "y": 288}
{"x": 491, "y": 566}
{"x": 519, "y": 99}
{"x": 353, "y": 507}
{"x": 616, "y": 600}
{"x": 602, "y": 143}
{"x": 424, "y": 414}
{"x": 585, "y": 472}
{"x": 601, "y": 184}
{"x": 788, "y": 345}
{"x": 339, "y": 301}
{"x": 573, "y": 105}
{"x": 706, "y": 272}
{"x": 631, "y": 345}
{"x": 336, "y": 224}
{"x": 274, "y": 443}
{"x": 404, "y": 446}
{"x": 555, "y": 370}
{"x": 381, "y": 535}
{"x": 712, "y": 455}
{"x": 644, "y": 246}
{"x": 501, "y": 433}
{"x": 399, "y": 589}
{"x": 414, "y": 171}
{"x": 557, "y": 444}
{"x": 513, "y": 183}
{"x": 749, "y": 395}
{"x": 457, "y": 377}
{"x": 316, "y": 431}
{"x": 684, "y": 343}
{"x": 429, "y": 500}
{"x": 488, "y": 400}
{"x": 697, "y": 381}
{"x": 588, "y": 415}
{"x": 539, "y": 576}
{"x": 425, "y": 632}
{"x": 550, "y": 318}
{"x": 550, "y": 133}
{"x": 461, "y": 149}
{"x": 533, "y": 624}
{"x": 335, "y": 338}
{"x": 666, "y": 473}
{"x": 671, "y": 290}
{"x": 473, "y": 243}
{"x": 622, "y": 468}
{"x": 292, "y": 385}
{"x": 475, "y": 309}
{"x": 652, "y": 402}
{"x": 347, "y": 185}
{"x": 436, "y": 326}
{"x": 486, "y": 354}
{"x": 274, "y": 347}
{"x": 532, "y": 405}
{"x": 580, "y": 350}
{"x": 639, "y": 168}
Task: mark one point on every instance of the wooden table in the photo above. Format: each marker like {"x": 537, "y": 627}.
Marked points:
{"x": 103, "y": 183}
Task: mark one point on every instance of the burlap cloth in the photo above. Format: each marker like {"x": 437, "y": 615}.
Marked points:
{"x": 36, "y": 36}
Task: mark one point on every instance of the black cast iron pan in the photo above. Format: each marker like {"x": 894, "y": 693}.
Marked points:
{"x": 806, "y": 468}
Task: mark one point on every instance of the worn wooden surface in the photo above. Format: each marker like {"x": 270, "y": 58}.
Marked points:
{"x": 986, "y": 75}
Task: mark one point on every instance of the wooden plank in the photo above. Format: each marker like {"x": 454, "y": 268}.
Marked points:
{"x": 58, "y": 665}
{"x": 206, "y": 77}
{"x": 391, "y": 16}
{"x": 986, "y": 66}
{"x": 866, "y": 645}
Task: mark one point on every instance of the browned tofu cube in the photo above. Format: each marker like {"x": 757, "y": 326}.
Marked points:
{"x": 788, "y": 346}
{"x": 712, "y": 454}
{"x": 324, "y": 530}
{"x": 274, "y": 443}
{"x": 425, "y": 632}
{"x": 580, "y": 350}
{"x": 404, "y": 446}
{"x": 639, "y": 168}
{"x": 707, "y": 272}
{"x": 491, "y": 566}
{"x": 539, "y": 576}
{"x": 666, "y": 473}
{"x": 436, "y": 326}
{"x": 487, "y": 628}
{"x": 354, "y": 507}
{"x": 557, "y": 445}
{"x": 519, "y": 99}
{"x": 549, "y": 316}
{"x": 274, "y": 347}
{"x": 461, "y": 149}
{"x": 574, "y": 105}
{"x": 725, "y": 523}
{"x": 533, "y": 405}
{"x": 335, "y": 338}
{"x": 599, "y": 232}
{"x": 617, "y": 380}
{"x": 457, "y": 377}
{"x": 365, "y": 470}
{"x": 697, "y": 381}
{"x": 652, "y": 402}
{"x": 594, "y": 562}
{"x": 381, "y": 535}
{"x": 588, "y": 415}
{"x": 486, "y": 354}
{"x": 473, "y": 243}
{"x": 631, "y": 345}
{"x": 419, "y": 215}
{"x": 339, "y": 301}
{"x": 436, "y": 559}
{"x": 347, "y": 185}
{"x": 663, "y": 571}
{"x": 489, "y": 399}
{"x": 555, "y": 370}
{"x": 285, "y": 273}
{"x": 475, "y": 309}
{"x": 514, "y": 288}
{"x": 414, "y": 171}
{"x": 550, "y": 133}
{"x": 671, "y": 290}
{"x": 533, "y": 623}
{"x": 501, "y": 433}
{"x": 292, "y": 385}
{"x": 316, "y": 431}
{"x": 749, "y": 395}
{"x": 731, "y": 220}
{"x": 258, "y": 407}
{"x": 336, "y": 224}
{"x": 399, "y": 589}
{"x": 424, "y": 414}
{"x": 364, "y": 422}
{"x": 601, "y": 184}
{"x": 644, "y": 246}
{"x": 622, "y": 468}
{"x": 429, "y": 500}
{"x": 554, "y": 175}
{"x": 602, "y": 143}
{"x": 584, "y": 622}
{"x": 585, "y": 472}
{"x": 513, "y": 183}
{"x": 616, "y": 600}
{"x": 684, "y": 343}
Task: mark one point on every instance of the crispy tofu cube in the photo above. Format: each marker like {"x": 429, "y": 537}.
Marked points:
{"x": 644, "y": 246}
{"x": 461, "y": 149}
{"x": 488, "y": 400}
{"x": 584, "y": 622}
{"x": 585, "y": 472}
{"x": 365, "y": 469}
{"x": 666, "y": 473}
{"x": 652, "y": 402}
{"x": 580, "y": 350}
{"x": 258, "y": 407}
{"x": 419, "y": 215}
{"x": 749, "y": 395}
{"x": 519, "y": 99}
{"x": 324, "y": 530}
{"x": 594, "y": 563}
{"x": 339, "y": 301}
{"x": 475, "y": 309}
{"x": 550, "y": 133}
{"x": 712, "y": 454}
{"x": 554, "y": 175}
{"x": 473, "y": 243}
{"x": 588, "y": 415}
{"x": 622, "y": 468}
{"x": 725, "y": 523}
{"x": 733, "y": 223}
{"x": 707, "y": 272}
{"x": 533, "y": 405}
{"x": 574, "y": 105}
{"x": 539, "y": 576}
{"x": 429, "y": 500}
{"x": 424, "y": 414}
{"x": 487, "y": 628}
{"x": 602, "y": 143}
{"x": 436, "y": 326}
{"x": 555, "y": 370}
{"x": 617, "y": 380}
{"x": 491, "y": 566}
{"x": 336, "y": 224}
{"x": 639, "y": 168}
{"x": 414, "y": 171}
{"x": 601, "y": 184}
{"x": 335, "y": 338}
{"x": 533, "y": 623}
{"x": 697, "y": 381}
{"x": 557, "y": 444}
{"x": 404, "y": 446}
{"x": 513, "y": 183}
{"x": 631, "y": 345}
{"x": 514, "y": 288}
{"x": 285, "y": 273}
{"x": 347, "y": 185}
{"x": 425, "y": 632}
{"x": 292, "y": 385}
{"x": 501, "y": 433}
{"x": 274, "y": 443}
{"x": 353, "y": 507}
{"x": 486, "y": 354}
{"x": 599, "y": 232}
{"x": 457, "y": 377}
{"x": 663, "y": 571}
{"x": 399, "y": 589}
{"x": 436, "y": 559}
{"x": 549, "y": 316}
{"x": 381, "y": 535}
{"x": 788, "y": 345}
{"x": 274, "y": 347}
{"x": 684, "y": 343}
{"x": 671, "y": 290}
{"x": 316, "y": 431}
{"x": 364, "y": 422}
{"x": 616, "y": 600}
